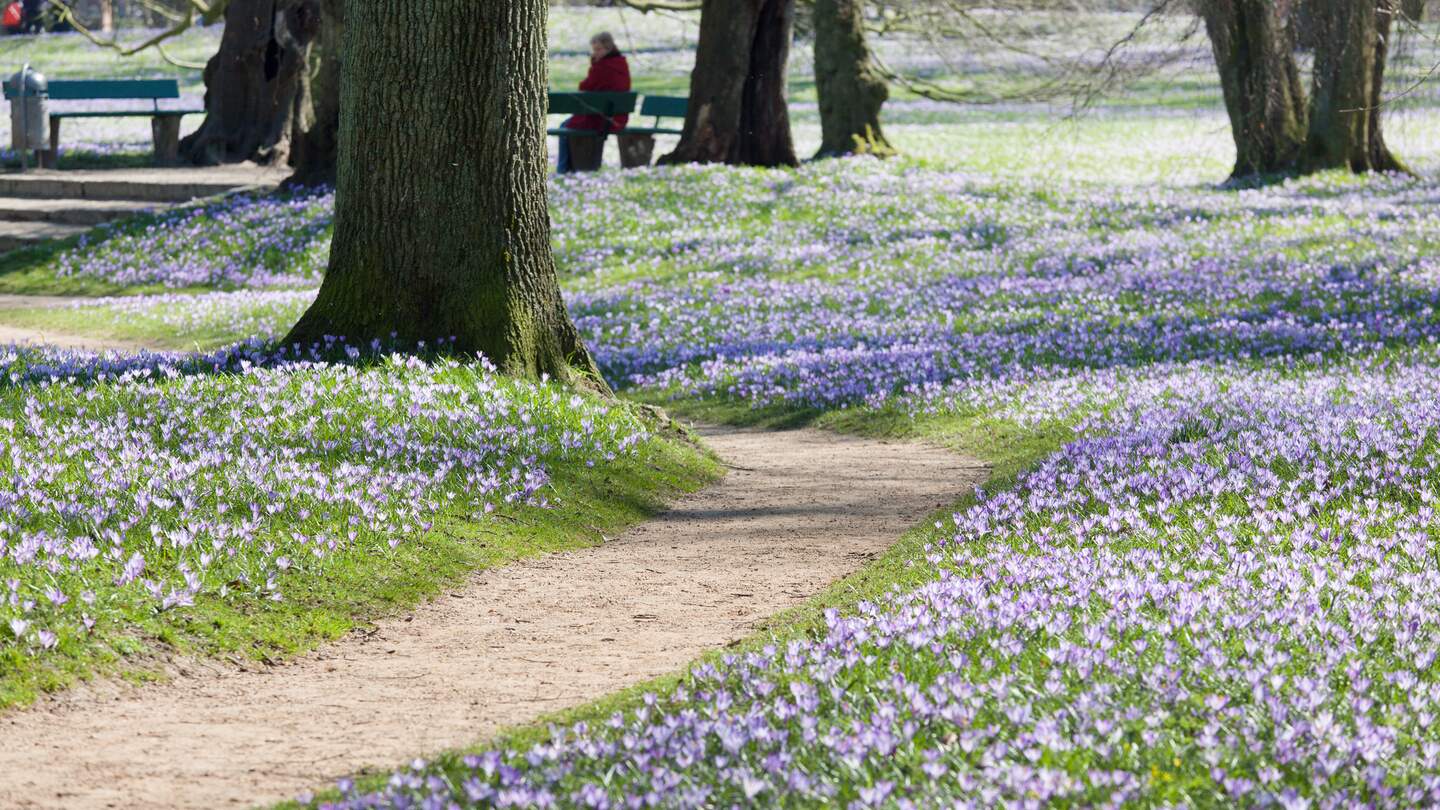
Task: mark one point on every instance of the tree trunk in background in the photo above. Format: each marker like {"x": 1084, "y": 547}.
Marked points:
{"x": 1414, "y": 10}
{"x": 851, "y": 92}
{"x": 107, "y": 16}
{"x": 254, "y": 85}
{"x": 317, "y": 145}
{"x": 442, "y": 226}
{"x": 1349, "y": 78}
{"x": 1254, "y": 51}
{"x": 737, "y": 108}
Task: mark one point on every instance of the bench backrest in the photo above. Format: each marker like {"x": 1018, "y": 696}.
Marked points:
{"x": 86, "y": 89}
{"x": 665, "y": 106}
{"x": 606, "y": 104}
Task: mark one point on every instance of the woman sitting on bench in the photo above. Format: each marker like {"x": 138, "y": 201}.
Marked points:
{"x": 609, "y": 73}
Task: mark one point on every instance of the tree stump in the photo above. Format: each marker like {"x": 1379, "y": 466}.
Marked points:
{"x": 165, "y": 129}
{"x": 587, "y": 152}
{"x": 636, "y": 150}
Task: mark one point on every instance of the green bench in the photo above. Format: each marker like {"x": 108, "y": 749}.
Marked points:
{"x": 637, "y": 143}
{"x": 587, "y": 145}
{"x": 164, "y": 123}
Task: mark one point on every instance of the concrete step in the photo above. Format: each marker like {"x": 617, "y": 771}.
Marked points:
{"x": 23, "y": 234}
{"x": 174, "y": 185}
{"x": 70, "y": 212}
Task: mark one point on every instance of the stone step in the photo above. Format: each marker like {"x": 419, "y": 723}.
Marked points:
{"x": 157, "y": 185}
{"x": 71, "y": 212}
{"x": 23, "y": 234}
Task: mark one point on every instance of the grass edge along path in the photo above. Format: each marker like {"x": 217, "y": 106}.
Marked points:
{"x": 589, "y": 505}
{"x": 1008, "y": 449}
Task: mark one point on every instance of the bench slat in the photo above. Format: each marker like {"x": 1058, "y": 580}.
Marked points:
{"x": 89, "y": 89}
{"x": 124, "y": 113}
{"x": 665, "y": 106}
{"x": 606, "y": 104}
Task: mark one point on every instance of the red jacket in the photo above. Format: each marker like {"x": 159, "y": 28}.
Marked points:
{"x": 609, "y": 75}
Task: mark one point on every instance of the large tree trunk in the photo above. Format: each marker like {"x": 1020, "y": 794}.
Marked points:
{"x": 442, "y": 228}
{"x": 1254, "y": 51}
{"x": 254, "y": 85}
{"x": 737, "y": 109}
{"x": 851, "y": 92}
{"x": 1348, "y": 82}
{"x": 318, "y": 142}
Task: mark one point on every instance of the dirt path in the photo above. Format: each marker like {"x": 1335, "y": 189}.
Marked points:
{"x": 23, "y": 336}
{"x": 26, "y": 336}
{"x": 798, "y": 510}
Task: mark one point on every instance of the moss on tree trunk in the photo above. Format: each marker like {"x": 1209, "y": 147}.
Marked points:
{"x": 254, "y": 84}
{"x": 851, "y": 91}
{"x": 738, "y": 112}
{"x": 442, "y": 229}
{"x": 1254, "y": 52}
{"x": 1346, "y": 99}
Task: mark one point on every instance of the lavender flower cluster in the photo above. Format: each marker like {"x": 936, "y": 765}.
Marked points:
{"x": 242, "y": 241}
{"x": 146, "y": 481}
{"x": 881, "y": 281}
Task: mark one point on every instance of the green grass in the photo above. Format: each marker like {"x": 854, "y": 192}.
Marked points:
{"x": 147, "y": 332}
{"x": 589, "y": 504}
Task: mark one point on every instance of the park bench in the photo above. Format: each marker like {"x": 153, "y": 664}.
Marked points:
{"x": 637, "y": 143}
{"x": 587, "y": 145}
{"x": 164, "y": 123}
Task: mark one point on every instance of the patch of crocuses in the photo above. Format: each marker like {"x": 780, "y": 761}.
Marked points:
{"x": 144, "y": 482}
{"x": 241, "y": 241}
{"x": 1223, "y": 591}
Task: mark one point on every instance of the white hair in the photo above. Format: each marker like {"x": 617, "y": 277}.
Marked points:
{"x": 604, "y": 38}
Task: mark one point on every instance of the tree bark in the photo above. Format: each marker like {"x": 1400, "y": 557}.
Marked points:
{"x": 442, "y": 228}
{"x": 737, "y": 108}
{"x": 1414, "y": 10}
{"x": 1254, "y": 51}
{"x": 317, "y": 146}
{"x": 851, "y": 91}
{"x": 254, "y": 85}
{"x": 107, "y": 16}
{"x": 1349, "y": 73}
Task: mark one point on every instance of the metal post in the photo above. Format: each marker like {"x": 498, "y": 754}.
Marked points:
{"x": 24, "y": 116}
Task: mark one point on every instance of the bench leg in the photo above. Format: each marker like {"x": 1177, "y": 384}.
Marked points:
{"x": 166, "y": 131}
{"x": 587, "y": 152}
{"x": 636, "y": 150}
{"x": 50, "y": 158}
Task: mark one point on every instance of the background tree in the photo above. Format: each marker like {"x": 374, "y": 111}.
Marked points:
{"x": 738, "y": 113}
{"x": 442, "y": 227}
{"x": 1254, "y": 51}
{"x": 1347, "y": 96}
{"x": 851, "y": 91}
{"x": 317, "y": 145}
{"x": 255, "y": 84}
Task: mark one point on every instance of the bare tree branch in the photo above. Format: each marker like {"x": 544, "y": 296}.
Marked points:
{"x": 209, "y": 12}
